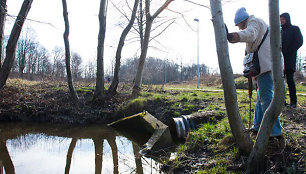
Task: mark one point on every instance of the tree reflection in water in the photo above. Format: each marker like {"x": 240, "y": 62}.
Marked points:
{"x": 6, "y": 159}
{"x": 20, "y": 137}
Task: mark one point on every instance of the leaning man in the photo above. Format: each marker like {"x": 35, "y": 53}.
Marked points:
{"x": 252, "y": 32}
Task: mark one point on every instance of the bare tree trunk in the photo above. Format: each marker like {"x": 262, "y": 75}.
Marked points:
{"x": 242, "y": 138}
{"x": 256, "y": 158}
{"x": 115, "y": 81}
{"x": 69, "y": 155}
{"x": 140, "y": 22}
{"x": 22, "y": 47}
{"x": 67, "y": 50}
{"x": 2, "y": 25}
{"x": 144, "y": 48}
{"x": 99, "y": 93}
{"x": 12, "y": 42}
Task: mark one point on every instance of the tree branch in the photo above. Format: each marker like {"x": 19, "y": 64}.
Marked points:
{"x": 197, "y": 4}
{"x": 164, "y": 6}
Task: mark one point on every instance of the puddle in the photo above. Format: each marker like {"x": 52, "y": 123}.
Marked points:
{"x": 43, "y": 148}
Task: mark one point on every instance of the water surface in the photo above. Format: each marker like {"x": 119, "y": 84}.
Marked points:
{"x": 52, "y": 149}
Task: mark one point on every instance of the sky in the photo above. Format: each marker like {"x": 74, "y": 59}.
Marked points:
{"x": 178, "y": 43}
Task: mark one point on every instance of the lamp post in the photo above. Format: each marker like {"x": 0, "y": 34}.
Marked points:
{"x": 198, "y": 68}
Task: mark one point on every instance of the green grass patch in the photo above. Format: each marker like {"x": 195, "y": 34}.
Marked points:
{"x": 133, "y": 106}
{"x": 300, "y": 88}
{"x": 218, "y": 169}
{"x": 59, "y": 89}
{"x": 88, "y": 89}
{"x": 219, "y": 141}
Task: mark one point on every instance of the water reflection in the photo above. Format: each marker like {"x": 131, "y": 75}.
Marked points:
{"x": 32, "y": 148}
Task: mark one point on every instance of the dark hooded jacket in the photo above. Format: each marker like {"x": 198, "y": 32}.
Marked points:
{"x": 292, "y": 40}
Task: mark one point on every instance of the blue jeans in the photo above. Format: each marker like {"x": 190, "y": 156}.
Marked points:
{"x": 264, "y": 98}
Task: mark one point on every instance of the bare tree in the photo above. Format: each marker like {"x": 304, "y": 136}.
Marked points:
{"x": 256, "y": 158}
{"x": 2, "y": 26}
{"x": 76, "y": 61}
{"x": 12, "y": 42}
{"x": 67, "y": 50}
{"x": 99, "y": 92}
{"x": 89, "y": 70}
{"x": 47, "y": 67}
{"x": 21, "y": 55}
{"x": 242, "y": 138}
{"x": 140, "y": 22}
{"x": 144, "y": 48}
{"x": 32, "y": 49}
{"x": 43, "y": 63}
{"x": 57, "y": 67}
{"x": 113, "y": 87}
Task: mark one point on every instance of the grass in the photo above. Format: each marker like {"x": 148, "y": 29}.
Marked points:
{"x": 218, "y": 169}
{"x": 87, "y": 89}
{"x": 217, "y": 138}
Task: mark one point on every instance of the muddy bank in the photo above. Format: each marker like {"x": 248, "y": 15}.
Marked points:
{"x": 49, "y": 102}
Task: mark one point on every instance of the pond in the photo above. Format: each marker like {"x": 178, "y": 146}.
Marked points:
{"x": 52, "y": 149}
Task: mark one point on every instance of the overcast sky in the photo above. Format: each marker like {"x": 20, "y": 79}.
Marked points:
{"x": 177, "y": 43}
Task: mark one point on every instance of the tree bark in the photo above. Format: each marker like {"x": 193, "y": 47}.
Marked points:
{"x": 140, "y": 23}
{"x": 242, "y": 138}
{"x": 99, "y": 93}
{"x": 144, "y": 48}
{"x": 113, "y": 87}
{"x": 12, "y": 42}
{"x": 256, "y": 158}
{"x": 2, "y": 26}
{"x": 67, "y": 51}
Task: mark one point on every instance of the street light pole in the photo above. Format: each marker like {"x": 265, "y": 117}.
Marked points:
{"x": 198, "y": 38}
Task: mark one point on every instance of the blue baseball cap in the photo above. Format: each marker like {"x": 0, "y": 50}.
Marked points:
{"x": 241, "y": 15}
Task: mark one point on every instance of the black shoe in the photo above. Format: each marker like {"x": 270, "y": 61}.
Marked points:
{"x": 252, "y": 130}
{"x": 279, "y": 137}
{"x": 293, "y": 105}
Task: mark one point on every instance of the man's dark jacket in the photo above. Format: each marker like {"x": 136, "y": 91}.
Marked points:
{"x": 292, "y": 40}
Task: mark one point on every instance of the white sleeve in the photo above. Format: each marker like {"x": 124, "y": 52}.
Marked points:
{"x": 249, "y": 34}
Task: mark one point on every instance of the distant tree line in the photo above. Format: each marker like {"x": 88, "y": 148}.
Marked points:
{"x": 34, "y": 61}
{"x": 158, "y": 71}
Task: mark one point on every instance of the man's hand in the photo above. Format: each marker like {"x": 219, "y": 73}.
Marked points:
{"x": 233, "y": 37}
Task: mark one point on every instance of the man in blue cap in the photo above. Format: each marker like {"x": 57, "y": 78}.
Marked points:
{"x": 252, "y": 33}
